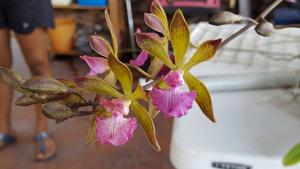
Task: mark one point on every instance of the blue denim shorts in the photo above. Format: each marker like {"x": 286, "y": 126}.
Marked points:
{"x": 23, "y": 16}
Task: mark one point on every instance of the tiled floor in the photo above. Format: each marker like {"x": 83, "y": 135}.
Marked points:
{"x": 72, "y": 152}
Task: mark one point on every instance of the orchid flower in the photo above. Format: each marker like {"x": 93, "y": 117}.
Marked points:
{"x": 179, "y": 37}
{"x": 116, "y": 130}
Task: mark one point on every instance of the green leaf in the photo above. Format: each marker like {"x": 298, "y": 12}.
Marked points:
{"x": 205, "y": 52}
{"x": 57, "y": 110}
{"x": 26, "y": 101}
{"x": 180, "y": 37}
{"x": 123, "y": 74}
{"x": 203, "y": 97}
{"x": 145, "y": 120}
{"x": 112, "y": 32}
{"x": 91, "y": 137}
{"x": 46, "y": 85}
{"x": 74, "y": 99}
{"x": 154, "y": 47}
{"x": 292, "y": 157}
{"x": 95, "y": 84}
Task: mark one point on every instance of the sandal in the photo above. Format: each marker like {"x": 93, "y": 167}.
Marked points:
{"x": 6, "y": 140}
{"x": 41, "y": 149}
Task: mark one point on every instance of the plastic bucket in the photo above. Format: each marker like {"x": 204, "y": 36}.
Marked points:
{"x": 62, "y": 36}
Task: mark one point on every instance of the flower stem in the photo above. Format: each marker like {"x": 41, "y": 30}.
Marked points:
{"x": 250, "y": 24}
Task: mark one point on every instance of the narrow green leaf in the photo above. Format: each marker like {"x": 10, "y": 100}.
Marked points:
{"x": 112, "y": 32}
{"x": 205, "y": 52}
{"x": 57, "y": 110}
{"x": 146, "y": 122}
{"x": 203, "y": 97}
{"x": 180, "y": 37}
{"x": 91, "y": 137}
{"x": 292, "y": 157}
{"x": 43, "y": 84}
{"x": 154, "y": 47}
{"x": 123, "y": 74}
{"x": 95, "y": 84}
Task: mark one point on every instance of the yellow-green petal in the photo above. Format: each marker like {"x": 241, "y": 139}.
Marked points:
{"x": 112, "y": 32}
{"x": 145, "y": 120}
{"x": 205, "y": 52}
{"x": 203, "y": 96}
{"x": 154, "y": 47}
{"x": 180, "y": 37}
{"x": 122, "y": 73}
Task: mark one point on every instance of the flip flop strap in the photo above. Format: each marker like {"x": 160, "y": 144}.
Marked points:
{"x": 41, "y": 141}
{"x": 7, "y": 139}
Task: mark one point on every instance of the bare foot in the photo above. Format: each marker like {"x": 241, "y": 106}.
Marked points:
{"x": 45, "y": 147}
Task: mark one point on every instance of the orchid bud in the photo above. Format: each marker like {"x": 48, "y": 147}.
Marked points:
{"x": 224, "y": 17}
{"x": 265, "y": 28}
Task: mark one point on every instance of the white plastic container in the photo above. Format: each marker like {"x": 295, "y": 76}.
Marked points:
{"x": 255, "y": 128}
{"x": 61, "y": 2}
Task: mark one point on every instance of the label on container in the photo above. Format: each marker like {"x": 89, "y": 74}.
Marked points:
{"x": 226, "y": 165}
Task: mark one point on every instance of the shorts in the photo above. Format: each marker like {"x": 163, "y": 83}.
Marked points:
{"x": 23, "y": 16}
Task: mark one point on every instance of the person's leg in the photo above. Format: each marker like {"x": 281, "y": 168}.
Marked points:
{"x": 5, "y": 91}
{"x": 35, "y": 49}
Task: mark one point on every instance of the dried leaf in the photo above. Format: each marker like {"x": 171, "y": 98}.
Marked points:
{"x": 26, "y": 101}
{"x": 180, "y": 37}
{"x": 74, "y": 99}
{"x": 123, "y": 74}
{"x": 11, "y": 78}
{"x": 68, "y": 83}
{"x": 205, "y": 52}
{"x": 91, "y": 137}
{"x": 154, "y": 22}
{"x": 112, "y": 32}
{"x": 57, "y": 110}
{"x": 145, "y": 120}
{"x": 203, "y": 96}
{"x": 292, "y": 157}
{"x": 100, "y": 45}
{"x": 43, "y": 84}
{"x": 154, "y": 47}
{"x": 95, "y": 84}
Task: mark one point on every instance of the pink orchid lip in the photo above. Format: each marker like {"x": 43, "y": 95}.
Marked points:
{"x": 116, "y": 130}
{"x": 118, "y": 106}
{"x": 173, "y": 102}
{"x": 98, "y": 65}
